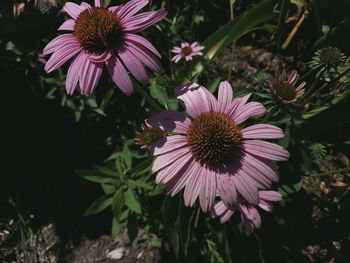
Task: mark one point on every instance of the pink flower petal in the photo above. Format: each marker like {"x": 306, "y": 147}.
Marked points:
{"x": 89, "y": 76}
{"x": 208, "y": 190}
{"x": 141, "y": 21}
{"x": 237, "y": 105}
{"x": 267, "y": 206}
{"x": 58, "y": 42}
{"x": 266, "y": 150}
{"x": 194, "y": 184}
{"x": 174, "y": 170}
{"x": 119, "y": 75}
{"x": 251, "y": 109}
{"x": 99, "y": 58}
{"x": 131, "y": 8}
{"x": 180, "y": 180}
{"x": 73, "y": 72}
{"x": 173, "y": 121}
{"x": 168, "y": 144}
{"x": 67, "y": 25}
{"x": 145, "y": 56}
{"x": 224, "y": 97}
{"x": 72, "y": 9}
{"x": 139, "y": 40}
{"x": 246, "y": 189}
{"x": 261, "y": 168}
{"x": 227, "y": 191}
{"x": 270, "y": 196}
{"x": 134, "y": 66}
{"x": 61, "y": 56}
{"x": 221, "y": 211}
{"x": 262, "y": 131}
{"x": 167, "y": 159}
{"x": 196, "y": 99}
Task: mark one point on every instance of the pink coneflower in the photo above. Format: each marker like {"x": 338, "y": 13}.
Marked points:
{"x": 209, "y": 154}
{"x": 187, "y": 51}
{"x": 249, "y": 214}
{"x": 285, "y": 88}
{"x": 108, "y": 37}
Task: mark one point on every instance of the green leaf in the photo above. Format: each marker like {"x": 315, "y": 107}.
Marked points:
{"x": 174, "y": 239}
{"x": 117, "y": 204}
{"x": 213, "y": 85}
{"x": 96, "y": 177}
{"x": 131, "y": 201}
{"x": 127, "y": 156}
{"x": 106, "y": 170}
{"x": 159, "y": 93}
{"x": 117, "y": 227}
{"x": 99, "y": 205}
{"x": 139, "y": 184}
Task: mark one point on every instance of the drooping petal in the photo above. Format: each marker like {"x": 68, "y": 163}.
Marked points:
{"x": 172, "y": 121}
{"x": 267, "y": 206}
{"x": 145, "y": 56}
{"x": 119, "y": 75}
{"x": 167, "y": 159}
{"x": 196, "y": 99}
{"x": 208, "y": 190}
{"x": 139, "y": 40}
{"x": 102, "y": 57}
{"x": 178, "y": 167}
{"x": 141, "y": 21}
{"x": 270, "y": 196}
{"x": 133, "y": 65}
{"x": 266, "y": 150}
{"x": 261, "y": 167}
{"x": 89, "y": 76}
{"x": 58, "y": 42}
{"x": 67, "y": 25}
{"x": 262, "y": 131}
{"x": 246, "y": 189}
{"x": 221, "y": 211}
{"x": 227, "y": 191}
{"x": 180, "y": 180}
{"x": 73, "y": 72}
{"x": 168, "y": 144}
{"x": 194, "y": 184}
{"x": 61, "y": 56}
{"x": 224, "y": 97}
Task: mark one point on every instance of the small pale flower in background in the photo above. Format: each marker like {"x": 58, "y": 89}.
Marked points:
{"x": 209, "y": 154}
{"x": 249, "y": 214}
{"x": 187, "y": 51}
{"x": 99, "y": 37}
{"x": 284, "y": 87}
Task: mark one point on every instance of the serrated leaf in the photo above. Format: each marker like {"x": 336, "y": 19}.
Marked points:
{"x": 99, "y": 205}
{"x": 131, "y": 201}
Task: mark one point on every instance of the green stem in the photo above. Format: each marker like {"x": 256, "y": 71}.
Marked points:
{"x": 197, "y": 217}
{"x": 148, "y": 98}
{"x": 281, "y": 19}
{"x": 343, "y": 170}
